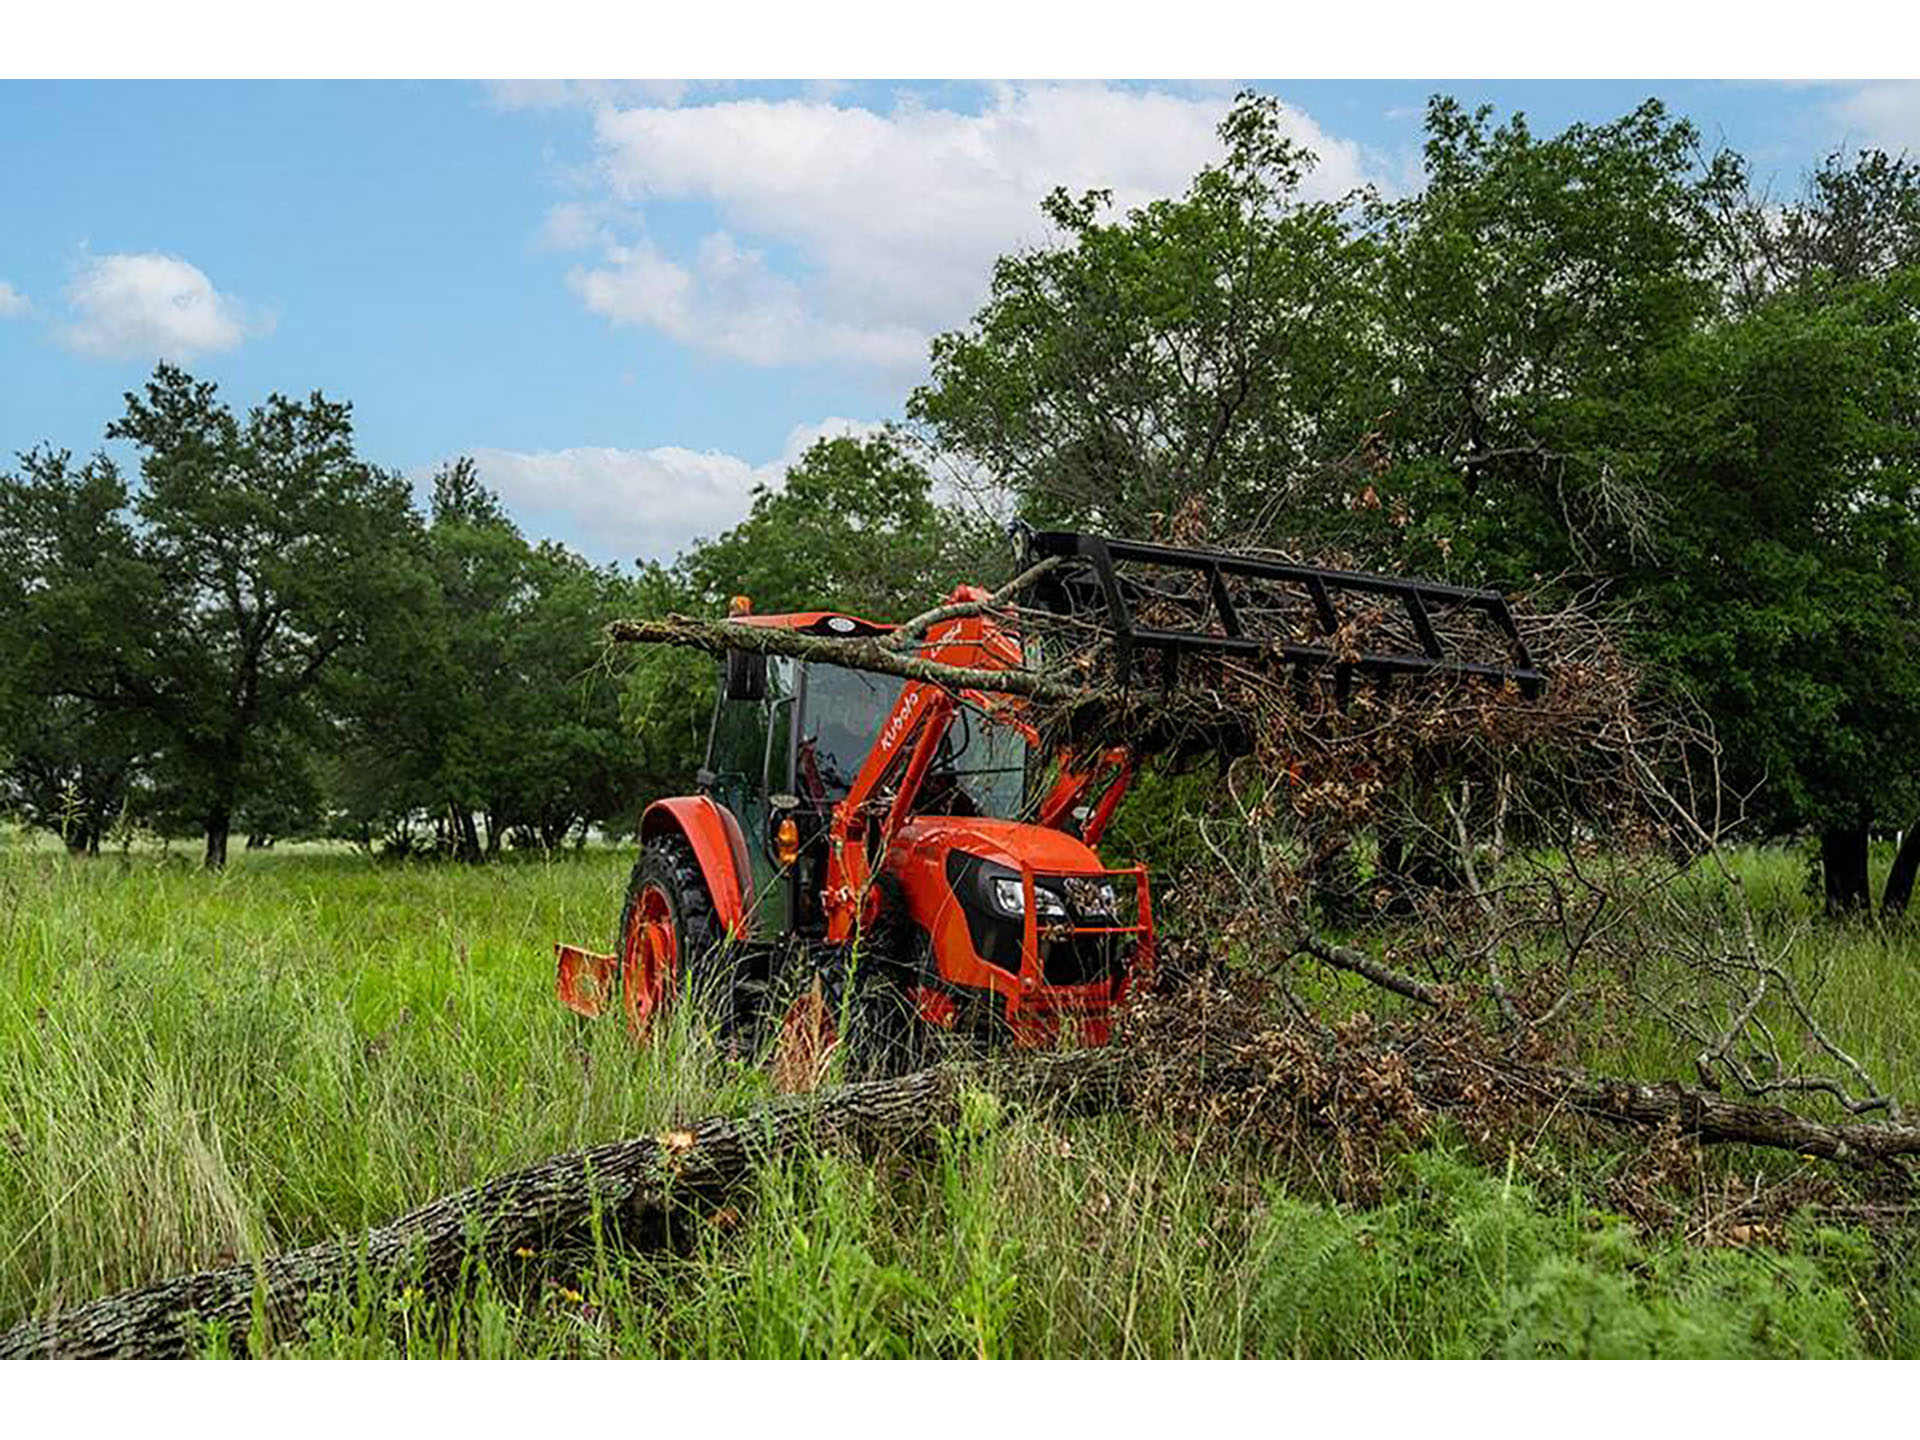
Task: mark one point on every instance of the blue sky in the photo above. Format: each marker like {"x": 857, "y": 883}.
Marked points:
{"x": 632, "y": 301}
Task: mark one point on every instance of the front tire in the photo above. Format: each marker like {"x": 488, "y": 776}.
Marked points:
{"x": 852, "y": 1017}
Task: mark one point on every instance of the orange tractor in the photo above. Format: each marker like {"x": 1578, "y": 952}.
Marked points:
{"x": 871, "y": 859}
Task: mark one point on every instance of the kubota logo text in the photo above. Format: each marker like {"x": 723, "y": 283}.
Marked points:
{"x": 901, "y": 717}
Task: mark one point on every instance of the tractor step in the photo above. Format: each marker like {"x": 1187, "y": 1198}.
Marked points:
{"x": 585, "y": 982}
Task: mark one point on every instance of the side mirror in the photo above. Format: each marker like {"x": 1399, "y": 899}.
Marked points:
{"x": 745, "y": 675}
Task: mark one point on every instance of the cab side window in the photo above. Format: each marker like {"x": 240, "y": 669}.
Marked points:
{"x": 843, "y": 713}
{"x": 741, "y": 745}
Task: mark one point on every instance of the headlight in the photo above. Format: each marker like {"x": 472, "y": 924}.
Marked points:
{"x": 1009, "y": 899}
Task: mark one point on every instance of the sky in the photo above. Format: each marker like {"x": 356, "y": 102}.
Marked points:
{"x": 633, "y": 301}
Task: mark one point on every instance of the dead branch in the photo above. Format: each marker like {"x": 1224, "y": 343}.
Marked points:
{"x": 903, "y": 635}
{"x": 716, "y": 637}
{"x": 1358, "y": 962}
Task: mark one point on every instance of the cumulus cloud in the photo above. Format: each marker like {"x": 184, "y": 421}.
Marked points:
{"x": 1882, "y": 114}
{"x": 152, "y": 306}
{"x": 615, "y": 504}
{"x": 887, "y": 225}
{"x": 12, "y": 302}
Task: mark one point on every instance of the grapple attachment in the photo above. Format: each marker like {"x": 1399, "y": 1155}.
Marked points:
{"x": 1173, "y": 601}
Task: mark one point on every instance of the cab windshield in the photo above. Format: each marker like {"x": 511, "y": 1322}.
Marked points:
{"x": 980, "y": 768}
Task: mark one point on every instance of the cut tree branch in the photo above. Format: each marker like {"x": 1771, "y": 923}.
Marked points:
{"x": 903, "y": 635}
{"x": 716, "y": 637}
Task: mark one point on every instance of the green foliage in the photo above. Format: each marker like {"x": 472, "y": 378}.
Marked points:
{"x": 853, "y": 527}
{"x": 1461, "y": 1263}
{"x": 498, "y": 705}
{"x": 1787, "y": 580}
{"x": 1197, "y": 358}
{"x": 77, "y": 603}
{"x": 1525, "y": 292}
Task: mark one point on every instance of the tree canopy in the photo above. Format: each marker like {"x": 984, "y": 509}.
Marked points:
{"x": 1590, "y": 361}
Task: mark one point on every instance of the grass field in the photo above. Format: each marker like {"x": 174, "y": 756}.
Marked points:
{"x": 198, "y": 1068}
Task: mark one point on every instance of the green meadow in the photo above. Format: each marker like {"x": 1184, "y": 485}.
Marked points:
{"x": 196, "y": 1068}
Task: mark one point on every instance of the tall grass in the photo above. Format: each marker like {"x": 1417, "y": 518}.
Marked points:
{"x": 195, "y": 1069}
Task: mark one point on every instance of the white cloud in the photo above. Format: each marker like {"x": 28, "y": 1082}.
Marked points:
{"x": 887, "y": 225}
{"x": 1882, "y": 114}
{"x": 615, "y": 504}
{"x": 147, "y": 306}
{"x": 564, "y": 94}
{"x": 12, "y": 302}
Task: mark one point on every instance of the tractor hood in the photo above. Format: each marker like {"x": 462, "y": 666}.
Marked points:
{"x": 1005, "y": 842}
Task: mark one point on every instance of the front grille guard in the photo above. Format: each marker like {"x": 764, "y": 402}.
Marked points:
{"x": 1034, "y": 989}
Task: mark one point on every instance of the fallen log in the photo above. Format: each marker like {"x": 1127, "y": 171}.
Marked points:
{"x": 1712, "y": 1118}
{"x": 636, "y": 1190}
{"x": 633, "y": 1190}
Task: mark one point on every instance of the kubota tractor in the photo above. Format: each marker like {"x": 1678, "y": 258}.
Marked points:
{"x": 869, "y": 859}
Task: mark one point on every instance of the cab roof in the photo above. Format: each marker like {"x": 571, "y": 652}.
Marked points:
{"x": 817, "y": 622}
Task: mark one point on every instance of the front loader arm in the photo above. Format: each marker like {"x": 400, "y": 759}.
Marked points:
{"x": 899, "y": 759}
{"x": 883, "y": 793}
{"x": 1108, "y": 777}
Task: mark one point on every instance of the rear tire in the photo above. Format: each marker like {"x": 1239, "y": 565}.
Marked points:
{"x": 668, "y": 932}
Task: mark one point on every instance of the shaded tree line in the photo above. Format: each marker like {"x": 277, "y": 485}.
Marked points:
{"x": 260, "y": 634}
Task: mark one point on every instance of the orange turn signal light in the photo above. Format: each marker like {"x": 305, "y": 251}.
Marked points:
{"x": 786, "y": 842}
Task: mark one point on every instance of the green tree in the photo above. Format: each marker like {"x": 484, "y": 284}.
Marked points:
{"x": 1526, "y": 295}
{"x": 78, "y": 610}
{"x": 274, "y": 553}
{"x": 495, "y": 714}
{"x": 1786, "y": 589}
{"x": 1202, "y": 365}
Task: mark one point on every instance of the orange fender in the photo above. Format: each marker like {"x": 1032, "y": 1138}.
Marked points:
{"x": 720, "y": 849}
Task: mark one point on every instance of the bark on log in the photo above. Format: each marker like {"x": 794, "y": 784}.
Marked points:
{"x": 717, "y": 637}
{"x": 638, "y": 1188}
{"x": 1712, "y": 1118}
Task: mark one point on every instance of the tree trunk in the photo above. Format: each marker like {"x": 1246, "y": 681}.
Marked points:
{"x": 1906, "y": 865}
{"x": 1843, "y": 870}
{"x": 219, "y": 824}
{"x": 469, "y": 837}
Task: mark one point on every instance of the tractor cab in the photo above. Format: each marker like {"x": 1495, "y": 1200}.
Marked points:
{"x": 789, "y": 741}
